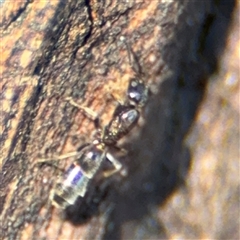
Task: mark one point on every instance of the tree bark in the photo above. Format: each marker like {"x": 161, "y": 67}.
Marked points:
{"x": 55, "y": 50}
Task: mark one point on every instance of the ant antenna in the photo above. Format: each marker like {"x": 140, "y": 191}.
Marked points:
{"x": 132, "y": 57}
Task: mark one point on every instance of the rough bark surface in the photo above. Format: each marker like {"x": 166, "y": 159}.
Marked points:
{"x": 183, "y": 161}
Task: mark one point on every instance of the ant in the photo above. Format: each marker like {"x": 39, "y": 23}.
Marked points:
{"x": 90, "y": 157}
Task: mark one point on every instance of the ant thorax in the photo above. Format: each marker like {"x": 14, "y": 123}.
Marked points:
{"x": 124, "y": 119}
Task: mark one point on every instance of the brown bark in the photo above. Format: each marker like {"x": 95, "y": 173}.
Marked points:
{"x": 55, "y": 50}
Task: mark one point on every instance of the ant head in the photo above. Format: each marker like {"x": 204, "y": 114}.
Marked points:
{"x": 137, "y": 92}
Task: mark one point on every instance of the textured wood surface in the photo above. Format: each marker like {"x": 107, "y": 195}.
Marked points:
{"x": 183, "y": 161}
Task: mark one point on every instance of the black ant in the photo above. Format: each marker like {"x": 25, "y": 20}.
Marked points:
{"x": 90, "y": 157}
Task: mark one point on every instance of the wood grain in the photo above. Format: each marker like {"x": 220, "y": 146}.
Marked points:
{"x": 53, "y": 50}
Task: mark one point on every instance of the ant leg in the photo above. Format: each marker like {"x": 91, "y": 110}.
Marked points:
{"x": 117, "y": 165}
{"x": 61, "y": 157}
{"x": 67, "y": 155}
{"x": 118, "y": 101}
{"x": 52, "y": 161}
{"x": 88, "y": 112}
{"x": 123, "y": 151}
{"x": 49, "y": 161}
